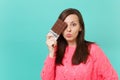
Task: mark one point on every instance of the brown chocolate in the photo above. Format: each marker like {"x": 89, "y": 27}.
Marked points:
{"x": 58, "y": 28}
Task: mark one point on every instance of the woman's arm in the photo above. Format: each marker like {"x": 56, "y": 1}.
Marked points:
{"x": 103, "y": 67}
{"x": 48, "y": 71}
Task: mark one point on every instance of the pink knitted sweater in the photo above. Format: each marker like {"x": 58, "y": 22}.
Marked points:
{"x": 97, "y": 67}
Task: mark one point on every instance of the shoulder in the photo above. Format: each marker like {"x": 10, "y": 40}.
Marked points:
{"x": 94, "y": 47}
{"x": 96, "y": 51}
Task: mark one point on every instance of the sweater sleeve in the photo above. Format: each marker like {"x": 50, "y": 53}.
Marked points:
{"x": 48, "y": 71}
{"x": 103, "y": 66}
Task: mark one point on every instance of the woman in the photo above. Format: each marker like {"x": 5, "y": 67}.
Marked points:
{"x": 74, "y": 58}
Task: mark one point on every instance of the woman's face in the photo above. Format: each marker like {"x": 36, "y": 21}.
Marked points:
{"x": 73, "y": 28}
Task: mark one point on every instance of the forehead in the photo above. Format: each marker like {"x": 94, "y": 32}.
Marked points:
{"x": 71, "y": 18}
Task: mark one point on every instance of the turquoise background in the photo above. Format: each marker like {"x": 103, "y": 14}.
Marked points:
{"x": 25, "y": 23}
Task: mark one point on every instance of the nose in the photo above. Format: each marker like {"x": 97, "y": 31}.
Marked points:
{"x": 68, "y": 28}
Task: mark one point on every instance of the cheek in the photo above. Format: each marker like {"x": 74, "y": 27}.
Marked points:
{"x": 63, "y": 33}
{"x": 76, "y": 33}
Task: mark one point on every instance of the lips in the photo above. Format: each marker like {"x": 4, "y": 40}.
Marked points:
{"x": 68, "y": 35}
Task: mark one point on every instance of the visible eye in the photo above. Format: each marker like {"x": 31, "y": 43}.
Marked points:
{"x": 74, "y": 24}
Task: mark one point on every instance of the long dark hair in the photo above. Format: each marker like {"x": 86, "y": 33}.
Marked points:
{"x": 82, "y": 52}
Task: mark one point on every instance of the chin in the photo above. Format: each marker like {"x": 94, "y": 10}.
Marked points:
{"x": 69, "y": 39}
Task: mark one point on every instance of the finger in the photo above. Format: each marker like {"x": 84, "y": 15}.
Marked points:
{"x": 50, "y": 41}
{"x": 54, "y": 42}
{"x": 49, "y": 35}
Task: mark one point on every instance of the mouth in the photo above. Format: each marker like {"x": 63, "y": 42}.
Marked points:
{"x": 68, "y": 35}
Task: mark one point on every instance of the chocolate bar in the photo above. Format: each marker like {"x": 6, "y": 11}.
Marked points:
{"x": 58, "y": 28}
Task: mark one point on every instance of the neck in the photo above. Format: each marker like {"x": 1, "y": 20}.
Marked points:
{"x": 73, "y": 44}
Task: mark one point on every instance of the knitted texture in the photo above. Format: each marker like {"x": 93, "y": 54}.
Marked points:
{"x": 97, "y": 67}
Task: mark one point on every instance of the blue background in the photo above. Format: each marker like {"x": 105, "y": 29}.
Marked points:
{"x": 25, "y": 23}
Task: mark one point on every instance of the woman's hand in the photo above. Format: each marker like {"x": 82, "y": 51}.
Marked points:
{"x": 51, "y": 43}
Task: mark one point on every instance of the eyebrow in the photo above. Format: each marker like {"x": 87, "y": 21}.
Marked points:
{"x": 74, "y": 21}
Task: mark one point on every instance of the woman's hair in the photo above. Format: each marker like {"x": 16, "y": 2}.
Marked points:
{"x": 82, "y": 52}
